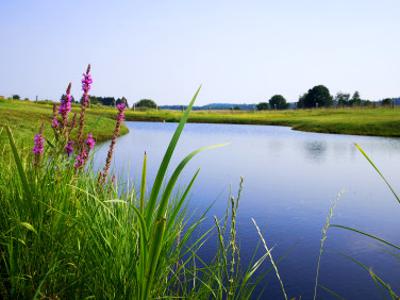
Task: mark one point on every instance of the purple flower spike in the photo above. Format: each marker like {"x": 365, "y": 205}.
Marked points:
{"x": 69, "y": 148}
{"x": 81, "y": 159}
{"x": 65, "y": 106}
{"x": 90, "y": 141}
{"x": 86, "y": 85}
{"x": 121, "y": 113}
{"x": 121, "y": 107}
{"x": 55, "y": 123}
{"x": 38, "y": 144}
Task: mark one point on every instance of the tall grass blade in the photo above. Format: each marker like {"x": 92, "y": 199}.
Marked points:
{"x": 375, "y": 278}
{"x": 175, "y": 175}
{"x": 271, "y": 259}
{"x": 178, "y": 207}
{"x": 378, "y": 171}
{"x": 323, "y": 239}
{"x": 154, "y": 254}
{"x": 143, "y": 183}
{"x": 167, "y": 158}
{"x": 20, "y": 167}
{"x": 330, "y": 292}
{"x": 367, "y": 234}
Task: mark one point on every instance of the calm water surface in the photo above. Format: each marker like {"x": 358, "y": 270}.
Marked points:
{"x": 290, "y": 179}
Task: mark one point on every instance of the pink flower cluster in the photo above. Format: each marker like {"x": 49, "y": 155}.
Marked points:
{"x": 65, "y": 106}
{"x": 83, "y": 156}
{"x": 55, "y": 123}
{"x": 121, "y": 112}
{"x": 90, "y": 141}
{"x": 69, "y": 148}
{"x": 81, "y": 159}
{"x": 38, "y": 147}
{"x": 86, "y": 85}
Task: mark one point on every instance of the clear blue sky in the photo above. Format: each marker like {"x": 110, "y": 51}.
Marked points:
{"x": 241, "y": 51}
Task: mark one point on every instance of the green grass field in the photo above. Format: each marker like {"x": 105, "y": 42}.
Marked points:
{"x": 25, "y": 119}
{"x": 359, "y": 121}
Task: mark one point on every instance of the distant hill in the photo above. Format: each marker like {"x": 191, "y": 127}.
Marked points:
{"x": 212, "y": 106}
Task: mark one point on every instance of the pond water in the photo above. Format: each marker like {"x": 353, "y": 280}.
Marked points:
{"x": 290, "y": 180}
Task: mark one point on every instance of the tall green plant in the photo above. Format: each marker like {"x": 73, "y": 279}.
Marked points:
{"x": 63, "y": 236}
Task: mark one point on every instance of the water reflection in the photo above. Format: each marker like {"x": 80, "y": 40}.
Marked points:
{"x": 315, "y": 150}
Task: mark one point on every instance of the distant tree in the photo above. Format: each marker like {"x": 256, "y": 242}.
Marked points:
{"x": 366, "y": 102}
{"x": 355, "y": 100}
{"x": 109, "y": 101}
{"x": 318, "y": 96}
{"x": 300, "y": 103}
{"x": 236, "y": 107}
{"x": 26, "y": 99}
{"x": 278, "y": 102}
{"x": 15, "y": 97}
{"x": 387, "y": 102}
{"x": 122, "y": 100}
{"x": 262, "y": 106}
{"x": 342, "y": 99}
{"x": 146, "y": 103}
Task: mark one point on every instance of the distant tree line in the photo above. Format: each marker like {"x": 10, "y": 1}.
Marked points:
{"x": 108, "y": 101}
{"x": 145, "y": 104}
{"x": 319, "y": 96}
{"x": 276, "y": 102}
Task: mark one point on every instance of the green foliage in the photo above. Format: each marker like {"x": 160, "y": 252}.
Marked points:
{"x": 355, "y": 99}
{"x": 278, "y": 102}
{"x": 359, "y": 121}
{"x": 62, "y": 236}
{"x": 15, "y": 97}
{"x": 25, "y": 118}
{"x": 146, "y": 103}
{"x": 318, "y": 96}
{"x": 342, "y": 99}
{"x": 262, "y": 106}
{"x": 107, "y": 101}
{"x": 387, "y": 102}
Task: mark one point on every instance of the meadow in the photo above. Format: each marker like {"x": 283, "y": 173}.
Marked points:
{"x": 68, "y": 231}
{"x": 383, "y": 121}
{"x": 25, "y": 119}
{"x": 358, "y": 121}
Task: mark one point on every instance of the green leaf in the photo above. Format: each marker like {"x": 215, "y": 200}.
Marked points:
{"x": 171, "y": 183}
{"x": 366, "y": 234}
{"x": 143, "y": 183}
{"x": 20, "y": 167}
{"x": 378, "y": 171}
{"x": 167, "y": 158}
{"x": 28, "y": 226}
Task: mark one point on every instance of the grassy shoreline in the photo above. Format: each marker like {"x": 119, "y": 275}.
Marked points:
{"x": 69, "y": 232}
{"x": 25, "y": 119}
{"x": 355, "y": 121}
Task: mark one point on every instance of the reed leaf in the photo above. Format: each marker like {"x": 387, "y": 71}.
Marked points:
{"x": 167, "y": 158}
